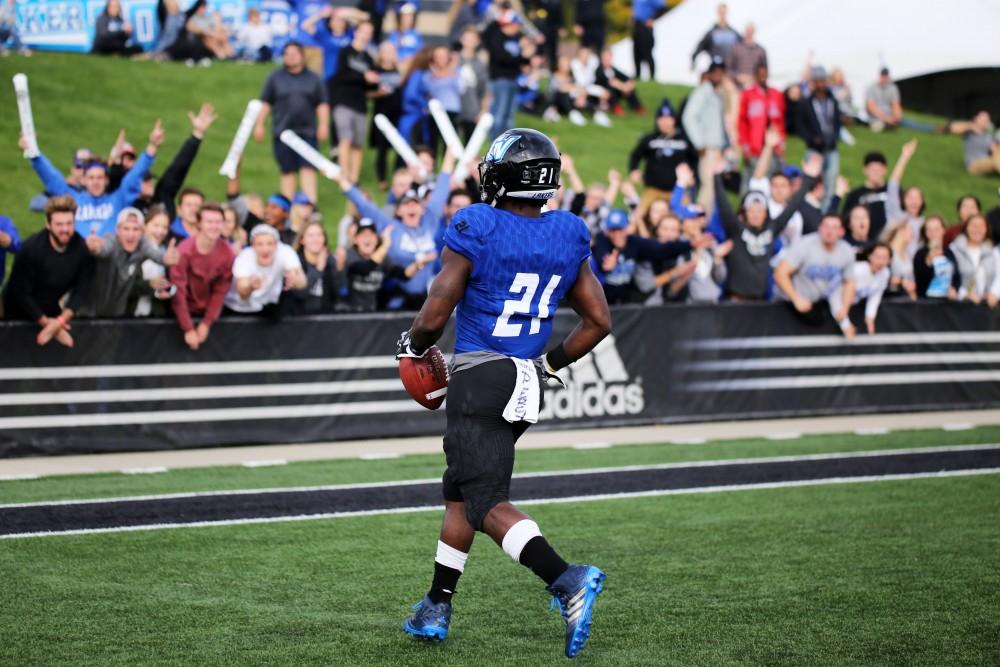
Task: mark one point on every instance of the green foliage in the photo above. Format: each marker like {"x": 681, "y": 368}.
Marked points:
{"x": 619, "y": 13}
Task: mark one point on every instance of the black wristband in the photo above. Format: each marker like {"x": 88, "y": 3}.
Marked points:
{"x": 557, "y": 358}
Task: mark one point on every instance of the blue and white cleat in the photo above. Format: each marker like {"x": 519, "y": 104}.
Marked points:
{"x": 429, "y": 620}
{"x": 575, "y": 592}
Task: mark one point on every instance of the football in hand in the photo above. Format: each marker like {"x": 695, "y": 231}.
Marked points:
{"x": 426, "y": 378}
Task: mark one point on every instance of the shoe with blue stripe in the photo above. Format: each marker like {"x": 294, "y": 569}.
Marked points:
{"x": 429, "y": 620}
{"x": 575, "y": 592}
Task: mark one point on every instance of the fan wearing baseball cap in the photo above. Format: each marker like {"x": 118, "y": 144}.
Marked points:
{"x": 413, "y": 230}
{"x": 367, "y": 267}
{"x": 662, "y": 150}
{"x": 754, "y": 233}
{"x": 872, "y": 193}
{"x": 119, "y": 257}
{"x": 617, "y": 252}
{"x": 261, "y": 272}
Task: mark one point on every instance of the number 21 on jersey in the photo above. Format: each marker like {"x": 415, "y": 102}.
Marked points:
{"x": 528, "y": 284}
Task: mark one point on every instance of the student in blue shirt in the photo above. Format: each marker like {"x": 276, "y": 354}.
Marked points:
{"x": 412, "y": 232}
{"x": 414, "y": 120}
{"x": 406, "y": 39}
{"x": 10, "y": 242}
{"x": 97, "y": 208}
{"x": 304, "y": 11}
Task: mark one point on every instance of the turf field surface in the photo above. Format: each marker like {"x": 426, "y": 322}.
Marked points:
{"x": 890, "y": 572}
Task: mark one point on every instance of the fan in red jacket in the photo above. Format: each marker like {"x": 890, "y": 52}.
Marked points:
{"x": 760, "y": 107}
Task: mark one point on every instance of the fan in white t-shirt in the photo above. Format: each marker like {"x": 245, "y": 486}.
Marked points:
{"x": 262, "y": 271}
{"x": 871, "y": 278}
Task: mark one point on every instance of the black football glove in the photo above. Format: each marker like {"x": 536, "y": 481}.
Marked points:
{"x": 404, "y": 348}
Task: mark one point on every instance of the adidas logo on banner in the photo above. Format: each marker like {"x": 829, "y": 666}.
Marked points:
{"x": 596, "y": 385}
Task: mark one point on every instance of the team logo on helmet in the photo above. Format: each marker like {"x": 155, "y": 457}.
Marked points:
{"x": 500, "y": 146}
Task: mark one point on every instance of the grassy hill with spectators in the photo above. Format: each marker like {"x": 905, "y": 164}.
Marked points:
{"x": 84, "y": 101}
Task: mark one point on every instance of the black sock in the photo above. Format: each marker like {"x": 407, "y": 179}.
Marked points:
{"x": 542, "y": 559}
{"x": 443, "y": 586}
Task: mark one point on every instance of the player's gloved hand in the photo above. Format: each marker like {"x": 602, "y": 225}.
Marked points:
{"x": 404, "y": 348}
{"x": 549, "y": 376}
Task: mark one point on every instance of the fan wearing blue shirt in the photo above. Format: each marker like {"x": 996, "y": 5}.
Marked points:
{"x": 306, "y": 10}
{"x": 406, "y": 39}
{"x": 412, "y": 233}
{"x": 10, "y": 242}
{"x": 97, "y": 208}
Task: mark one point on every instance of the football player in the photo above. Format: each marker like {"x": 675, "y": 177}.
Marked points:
{"x": 506, "y": 265}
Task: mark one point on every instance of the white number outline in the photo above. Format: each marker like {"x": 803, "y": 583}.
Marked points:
{"x": 528, "y": 283}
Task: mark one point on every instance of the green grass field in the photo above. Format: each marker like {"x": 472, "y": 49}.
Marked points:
{"x": 883, "y": 573}
{"x": 84, "y": 101}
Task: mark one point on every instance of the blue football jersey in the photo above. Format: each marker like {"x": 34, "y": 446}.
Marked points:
{"x": 521, "y": 269}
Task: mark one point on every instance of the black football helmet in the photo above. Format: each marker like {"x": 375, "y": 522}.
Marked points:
{"x": 521, "y": 164}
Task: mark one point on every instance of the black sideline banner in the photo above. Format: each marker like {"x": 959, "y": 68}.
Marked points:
{"x": 133, "y": 385}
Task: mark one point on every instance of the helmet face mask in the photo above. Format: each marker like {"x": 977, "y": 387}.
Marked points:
{"x": 521, "y": 164}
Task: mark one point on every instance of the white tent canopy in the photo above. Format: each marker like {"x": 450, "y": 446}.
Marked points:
{"x": 859, "y": 36}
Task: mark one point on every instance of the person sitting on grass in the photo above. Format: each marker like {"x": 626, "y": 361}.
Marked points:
{"x": 584, "y": 67}
{"x": 565, "y": 96}
{"x": 619, "y": 86}
{"x": 113, "y": 32}
{"x": 10, "y": 34}
{"x": 885, "y": 109}
{"x": 980, "y": 144}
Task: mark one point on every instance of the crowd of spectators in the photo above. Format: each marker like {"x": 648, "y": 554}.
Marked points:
{"x": 122, "y": 242}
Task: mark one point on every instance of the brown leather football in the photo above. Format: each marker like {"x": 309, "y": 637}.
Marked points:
{"x": 426, "y": 378}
